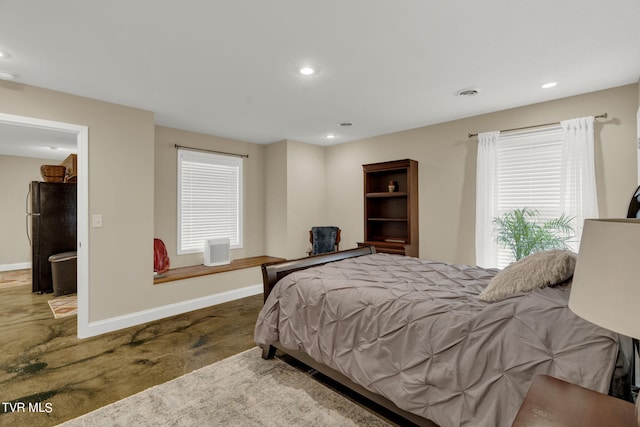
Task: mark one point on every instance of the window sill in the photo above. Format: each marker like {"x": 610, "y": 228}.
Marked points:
{"x": 202, "y": 270}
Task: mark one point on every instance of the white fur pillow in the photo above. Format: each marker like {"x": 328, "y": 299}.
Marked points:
{"x": 540, "y": 269}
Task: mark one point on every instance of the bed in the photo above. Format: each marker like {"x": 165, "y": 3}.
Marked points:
{"x": 414, "y": 335}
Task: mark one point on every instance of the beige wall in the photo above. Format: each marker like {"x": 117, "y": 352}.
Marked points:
{"x": 132, "y": 193}
{"x": 296, "y": 196}
{"x": 166, "y": 216}
{"x": 132, "y": 179}
{"x": 447, "y": 168}
{"x": 166, "y": 180}
{"x": 276, "y": 199}
{"x": 15, "y": 175}
{"x": 306, "y": 195}
{"x": 121, "y": 180}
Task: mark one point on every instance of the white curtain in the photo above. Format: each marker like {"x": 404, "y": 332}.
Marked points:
{"x": 486, "y": 167}
{"x": 638, "y": 143}
{"x": 578, "y": 185}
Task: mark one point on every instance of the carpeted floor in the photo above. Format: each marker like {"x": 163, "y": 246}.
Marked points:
{"x": 242, "y": 390}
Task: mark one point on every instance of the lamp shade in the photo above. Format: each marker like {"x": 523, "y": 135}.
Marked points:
{"x": 606, "y": 281}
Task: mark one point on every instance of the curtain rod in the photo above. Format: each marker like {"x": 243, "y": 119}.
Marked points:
{"x": 246, "y": 156}
{"x": 599, "y": 116}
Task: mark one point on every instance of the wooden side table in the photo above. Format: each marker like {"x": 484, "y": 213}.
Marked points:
{"x": 551, "y": 402}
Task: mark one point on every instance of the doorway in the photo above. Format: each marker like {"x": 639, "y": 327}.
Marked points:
{"x": 82, "y": 144}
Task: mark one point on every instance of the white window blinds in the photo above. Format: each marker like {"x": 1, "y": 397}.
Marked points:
{"x": 209, "y": 199}
{"x": 529, "y": 172}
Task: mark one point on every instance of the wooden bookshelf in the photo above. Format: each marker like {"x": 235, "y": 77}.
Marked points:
{"x": 391, "y": 214}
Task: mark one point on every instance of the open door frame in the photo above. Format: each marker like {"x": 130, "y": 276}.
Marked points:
{"x": 82, "y": 133}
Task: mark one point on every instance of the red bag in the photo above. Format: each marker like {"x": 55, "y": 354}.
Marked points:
{"x": 160, "y": 257}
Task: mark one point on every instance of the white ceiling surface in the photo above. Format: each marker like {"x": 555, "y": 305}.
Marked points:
{"x": 230, "y": 68}
{"x": 26, "y": 141}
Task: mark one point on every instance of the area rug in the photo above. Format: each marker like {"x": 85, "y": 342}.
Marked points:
{"x": 243, "y": 390}
{"x": 13, "y": 278}
{"x": 64, "y": 306}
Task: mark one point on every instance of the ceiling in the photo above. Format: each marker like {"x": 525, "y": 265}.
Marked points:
{"x": 230, "y": 68}
{"x": 27, "y": 141}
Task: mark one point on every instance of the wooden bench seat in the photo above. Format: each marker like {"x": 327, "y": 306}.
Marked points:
{"x": 202, "y": 270}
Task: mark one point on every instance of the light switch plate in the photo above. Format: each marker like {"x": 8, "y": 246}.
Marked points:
{"x": 96, "y": 221}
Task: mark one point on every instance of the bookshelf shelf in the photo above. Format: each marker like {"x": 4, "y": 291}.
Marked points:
{"x": 391, "y": 206}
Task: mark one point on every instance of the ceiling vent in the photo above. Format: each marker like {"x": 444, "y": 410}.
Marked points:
{"x": 468, "y": 92}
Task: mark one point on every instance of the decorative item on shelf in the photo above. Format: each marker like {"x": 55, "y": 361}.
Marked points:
{"x": 395, "y": 240}
{"x": 217, "y": 251}
{"x": 393, "y": 186}
{"x": 609, "y": 252}
{"x": 161, "y": 262}
{"x": 71, "y": 165}
{"x": 52, "y": 173}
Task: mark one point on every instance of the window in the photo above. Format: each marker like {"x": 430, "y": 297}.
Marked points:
{"x": 209, "y": 199}
{"x": 549, "y": 169}
{"x": 529, "y": 173}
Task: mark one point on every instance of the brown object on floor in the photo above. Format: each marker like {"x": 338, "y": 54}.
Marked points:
{"x": 551, "y": 402}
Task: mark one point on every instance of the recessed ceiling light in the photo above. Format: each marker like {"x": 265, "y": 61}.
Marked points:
{"x": 307, "y": 71}
{"x": 331, "y": 136}
{"x": 549, "y": 85}
{"x": 5, "y": 75}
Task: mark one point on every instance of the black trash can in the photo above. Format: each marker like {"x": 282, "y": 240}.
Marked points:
{"x": 64, "y": 273}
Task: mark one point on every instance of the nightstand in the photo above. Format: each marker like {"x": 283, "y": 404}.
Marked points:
{"x": 551, "y": 402}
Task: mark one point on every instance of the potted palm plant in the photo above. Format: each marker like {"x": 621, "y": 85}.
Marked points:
{"x": 521, "y": 231}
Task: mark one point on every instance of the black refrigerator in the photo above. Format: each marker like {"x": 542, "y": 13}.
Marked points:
{"x": 51, "y": 228}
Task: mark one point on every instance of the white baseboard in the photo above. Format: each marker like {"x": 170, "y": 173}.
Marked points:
{"x": 16, "y": 266}
{"x": 133, "y": 319}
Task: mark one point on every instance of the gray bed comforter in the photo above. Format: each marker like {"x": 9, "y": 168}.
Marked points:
{"x": 414, "y": 331}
